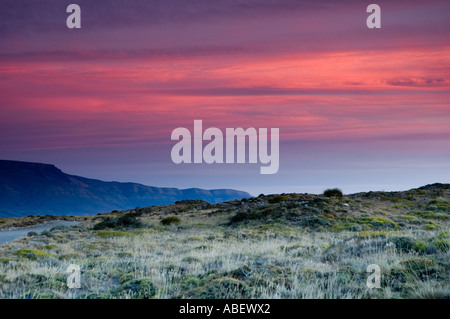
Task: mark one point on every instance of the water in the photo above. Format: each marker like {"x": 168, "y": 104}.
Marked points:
{"x": 10, "y": 235}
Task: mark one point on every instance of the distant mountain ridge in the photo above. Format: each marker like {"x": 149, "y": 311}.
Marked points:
{"x": 34, "y": 188}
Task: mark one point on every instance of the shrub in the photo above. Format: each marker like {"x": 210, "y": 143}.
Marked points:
{"x": 333, "y": 192}
{"x": 431, "y": 226}
{"x": 278, "y": 199}
{"x": 126, "y": 221}
{"x": 140, "y": 288}
{"x": 417, "y": 263}
{"x": 356, "y": 227}
{"x": 48, "y": 234}
{"x": 420, "y": 246}
{"x": 32, "y": 254}
{"x": 420, "y": 267}
{"x": 190, "y": 282}
{"x": 428, "y": 214}
{"x": 403, "y": 244}
{"x": 244, "y": 216}
{"x": 372, "y": 234}
{"x": 441, "y": 244}
{"x": 378, "y": 222}
{"x": 315, "y": 221}
{"x": 445, "y": 234}
{"x": 440, "y": 204}
{"x": 170, "y": 220}
{"x": 68, "y": 256}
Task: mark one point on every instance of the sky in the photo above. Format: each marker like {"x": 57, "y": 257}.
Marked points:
{"x": 357, "y": 108}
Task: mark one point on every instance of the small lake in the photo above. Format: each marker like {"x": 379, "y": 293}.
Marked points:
{"x": 10, "y": 235}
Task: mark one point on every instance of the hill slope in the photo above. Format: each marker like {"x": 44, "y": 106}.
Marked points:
{"x": 34, "y": 188}
{"x": 271, "y": 246}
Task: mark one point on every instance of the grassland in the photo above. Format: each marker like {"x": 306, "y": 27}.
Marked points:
{"x": 274, "y": 246}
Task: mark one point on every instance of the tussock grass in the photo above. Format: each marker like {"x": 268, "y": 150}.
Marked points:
{"x": 277, "y": 246}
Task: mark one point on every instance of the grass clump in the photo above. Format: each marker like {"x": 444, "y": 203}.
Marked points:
{"x": 443, "y": 235}
{"x": 373, "y": 234}
{"x": 407, "y": 217}
{"x": 417, "y": 263}
{"x": 108, "y": 233}
{"x": 190, "y": 260}
{"x": 32, "y": 254}
{"x": 126, "y": 277}
{"x": 441, "y": 244}
{"x": 221, "y": 288}
{"x": 378, "y": 222}
{"x": 360, "y": 224}
{"x": 139, "y": 288}
{"x": 170, "y": 220}
{"x": 431, "y": 226}
{"x": 333, "y": 192}
{"x": 428, "y": 214}
{"x": 68, "y": 256}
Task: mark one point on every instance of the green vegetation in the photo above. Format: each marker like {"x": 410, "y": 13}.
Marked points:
{"x": 278, "y": 199}
{"x": 32, "y": 254}
{"x": 170, "y": 220}
{"x": 109, "y": 233}
{"x": 138, "y": 288}
{"x": 439, "y": 204}
{"x": 333, "y": 192}
{"x": 275, "y": 246}
{"x": 430, "y": 215}
{"x": 125, "y": 221}
{"x": 374, "y": 234}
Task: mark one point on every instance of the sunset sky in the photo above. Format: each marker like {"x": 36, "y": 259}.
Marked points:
{"x": 357, "y": 108}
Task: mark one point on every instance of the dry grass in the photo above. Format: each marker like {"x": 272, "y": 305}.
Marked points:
{"x": 275, "y": 255}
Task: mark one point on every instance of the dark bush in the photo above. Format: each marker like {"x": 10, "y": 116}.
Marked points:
{"x": 170, "y": 220}
{"x": 403, "y": 244}
{"x": 277, "y": 199}
{"x": 333, "y": 192}
{"x": 140, "y": 288}
{"x": 266, "y": 214}
{"x": 48, "y": 234}
{"x": 242, "y": 216}
{"x": 315, "y": 222}
{"x": 125, "y": 221}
